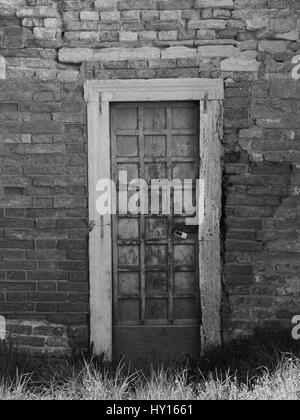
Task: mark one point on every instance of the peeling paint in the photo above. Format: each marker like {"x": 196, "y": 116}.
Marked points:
{"x": 2, "y": 328}
{"x": 2, "y": 67}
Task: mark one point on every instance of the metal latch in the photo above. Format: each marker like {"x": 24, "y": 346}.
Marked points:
{"x": 92, "y": 224}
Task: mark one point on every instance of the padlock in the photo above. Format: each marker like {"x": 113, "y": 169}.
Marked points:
{"x": 181, "y": 235}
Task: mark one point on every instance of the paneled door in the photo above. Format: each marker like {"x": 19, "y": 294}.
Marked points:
{"x": 156, "y": 309}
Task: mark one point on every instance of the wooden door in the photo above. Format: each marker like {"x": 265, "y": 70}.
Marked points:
{"x": 156, "y": 310}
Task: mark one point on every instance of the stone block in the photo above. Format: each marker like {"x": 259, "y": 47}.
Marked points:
{"x": 75, "y": 55}
{"x": 273, "y": 46}
{"x": 245, "y": 62}
{"x": 44, "y": 33}
{"x": 216, "y": 24}
{"x": 105, "y": 4}
{"x": 202, "y": 4}
{"x": 89, "y": 15}
{"x": 178, "y": 52}
{"x": 218, "y": 51}
{"x": 128, "y": 36}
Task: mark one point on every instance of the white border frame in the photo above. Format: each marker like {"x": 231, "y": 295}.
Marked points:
{"x": 98, "y": 95}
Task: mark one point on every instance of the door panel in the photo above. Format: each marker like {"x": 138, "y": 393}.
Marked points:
{"x": 156, "y": 313}
{"x": 157, "y": 343}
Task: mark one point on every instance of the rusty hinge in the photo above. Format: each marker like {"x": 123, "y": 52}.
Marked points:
{"x": 93, "y": 224}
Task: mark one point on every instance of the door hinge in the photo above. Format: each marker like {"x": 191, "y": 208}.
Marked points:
{"x": 92, "y": 225}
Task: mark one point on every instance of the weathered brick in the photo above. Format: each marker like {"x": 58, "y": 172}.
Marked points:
{"x": 130, "y": 15}
{"x": 163, "y": 26}
{"x": 46, "y": 297}
{"x": 136, "y": 5}
{"x": 105, "y": 4}
{"x": 45, "y": 308}
{"x": 245, "y": 62}
{"x": 31, "y": 22}
{"x": 221, "y": 14}
{"x": 28, "y": 341}
{"x": 110, "y": 17}
{"x": 150, "y": 15}
{"x": 51, "y": 23}
{"x": 168, "y": 35}
{"x": 128, "y": 36}
{"x": 214, "y": 4}
{"x": 272, "y": 46}
{"x": 178, "y": 52}
{"x": 72, "y": 307}
{"x": 175, "y": 4}
{"x": 57, "y": 342}
{"x": 218, "y": 51}
{"x": 285, "y": 89}
{"x": 216, "y": 24}
{"x": 89, "y": 15}
{"x": 78, "y": 55}
{"x": 22, "y": 307}
{"x": 41, "y": 11}
{"x": 170, "y": 15}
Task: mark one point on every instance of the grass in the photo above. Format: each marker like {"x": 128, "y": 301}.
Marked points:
{"x": 267, "y": 367}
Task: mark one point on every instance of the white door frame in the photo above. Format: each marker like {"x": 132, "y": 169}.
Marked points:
{"x": 98, "y": 95}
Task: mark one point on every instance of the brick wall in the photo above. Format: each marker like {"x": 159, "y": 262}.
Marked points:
{"x": 49, "y": 48}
